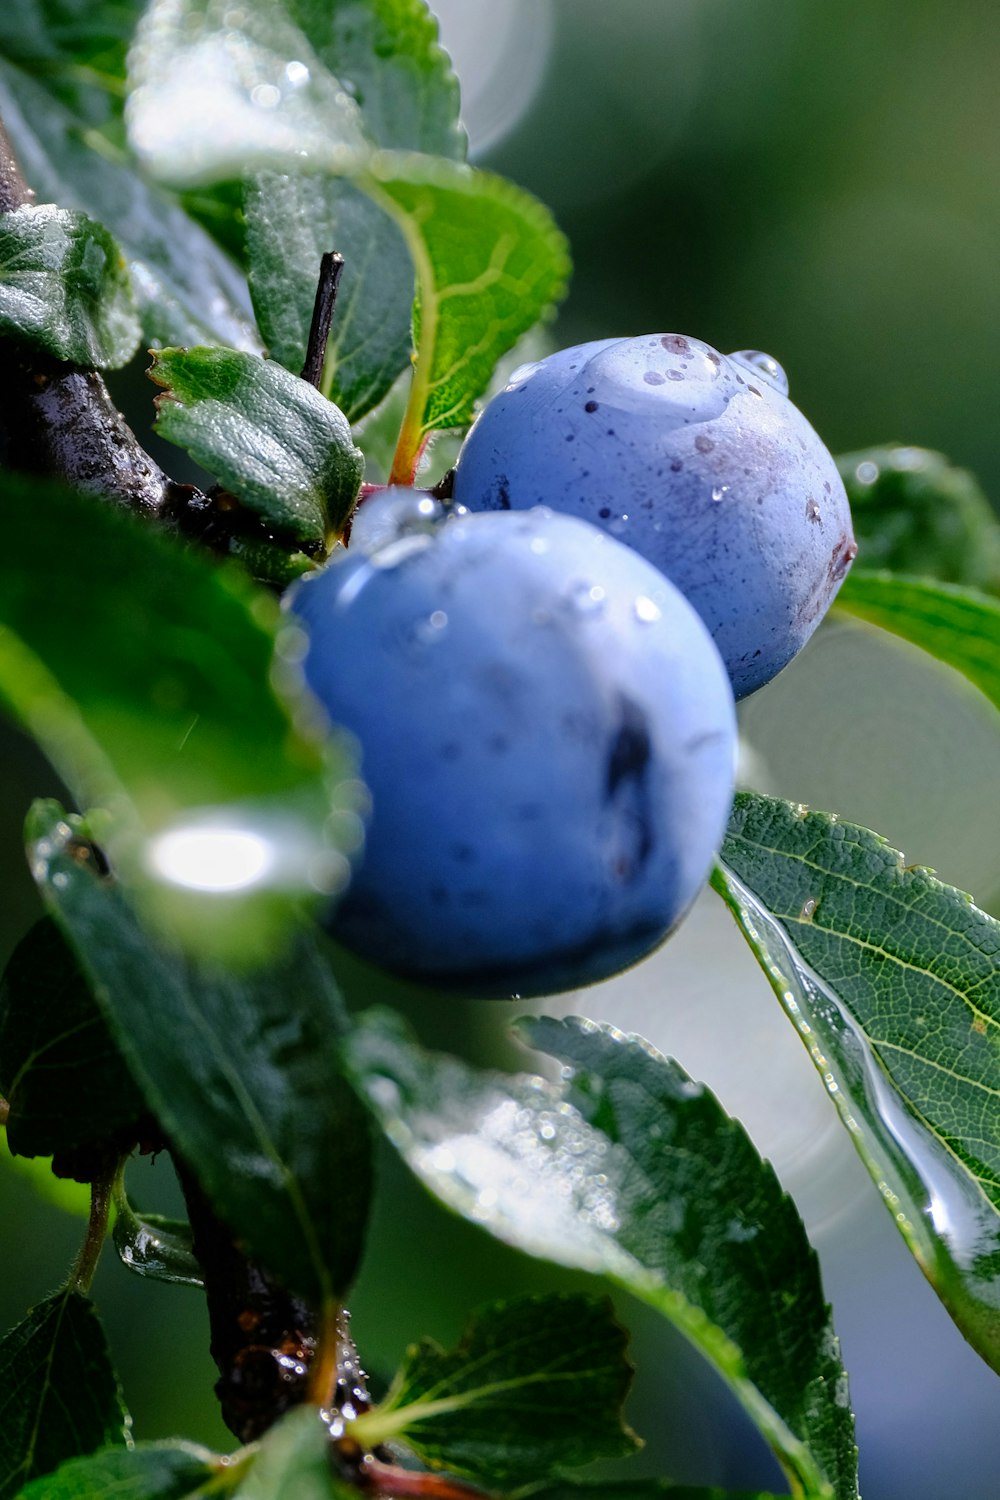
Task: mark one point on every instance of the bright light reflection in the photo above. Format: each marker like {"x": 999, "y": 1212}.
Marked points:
{"x": 212, "y": 859}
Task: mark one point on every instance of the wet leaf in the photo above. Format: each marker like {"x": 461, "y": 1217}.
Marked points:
{"x": 242, "y": 1073}
{"x": 270, "y": 438}
{"x": 294, "y": 1463}
{"x": 534, "y": 1384}
{"x": 957, "y": 625}
{"x": 149, "y": 1471}
{"x": 153, "y": 1245}
{"x": 58, "y": 1393}
{"x": 60, "y": 1071}
{"x": 893, "y": 981}
{"x": 916, "y": 513}
{"x": 632, "y": 1171}
{"x": 65, "y": 288}
{"x": 155, "y": 703}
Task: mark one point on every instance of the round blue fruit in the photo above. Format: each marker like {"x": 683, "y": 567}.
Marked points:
{"x": 548, "y": 736}
{"x": 695, "y": 459}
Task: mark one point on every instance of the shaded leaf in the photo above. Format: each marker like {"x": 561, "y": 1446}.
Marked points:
{"x": 294, "y": 1463}
{"x": 65, "y": 288}
{"x": 241, "y": 1073}
{"x": 916, "y": 513}
{"x": 632, "y": 1171}
{"x": 77, "y": 51}
{"x": 140, "y": 700}
{"x": 270, "y": 438}
{"x": 533, "y": 1384}
{"x": 153, "y": 1245}
{"x": 639, "y": 1489}
{"x": 58, "y": 1393}
{"x": 149, "y": 1471}
{"x": 60, "y": 1071}
{"x": 893, "y": 981}
{"x": 957, "y": 625}
{"x": 188, "y": 291}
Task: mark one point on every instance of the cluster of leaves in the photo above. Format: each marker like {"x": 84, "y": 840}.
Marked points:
{"x": 174, "y": 713}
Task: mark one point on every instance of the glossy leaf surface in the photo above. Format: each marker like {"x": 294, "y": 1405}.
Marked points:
{"x": 294, "y": 1463}
{"x": 152, "y": 1245}
{"x": 270, "y": 438}
{"x": 916, "y": 513}
{"x": 957, "y": 625}
{"x": 139, "y": 697}
{"x": 241, "y": 1072}
{"x": 58, "y": 1393}
{"x": 60, "y": 1071}
{"x": 150, "y": 1471}
{"x": 64, "y": 287}
{"x": 893, "y": 981}
{"x": 534, "y": 1384}
{"x": 632, "y": 1171}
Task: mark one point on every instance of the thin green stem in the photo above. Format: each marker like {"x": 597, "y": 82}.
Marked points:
{"x": 101, "y": 1192}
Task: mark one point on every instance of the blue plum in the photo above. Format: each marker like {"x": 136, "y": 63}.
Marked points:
{"x": 696, "y": 459}
{"x": 548, "y": 735}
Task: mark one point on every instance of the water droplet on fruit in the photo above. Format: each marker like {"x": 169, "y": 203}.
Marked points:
{"x": 866, "y": 473}
{"x": 539, "y": 545}
{"x": 585, "y": 598}
{"x": 763, "y": 365}
{"x": 720, "y": 491}
{"x": 395, "y": 513}
{"x": 619, "y": 523}
{"x": 645, "y": 610}
{"x": 521, "y": 376}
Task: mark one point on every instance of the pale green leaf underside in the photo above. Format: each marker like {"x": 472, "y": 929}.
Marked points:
{"x": 293, "y": 1463}
{"x": 893, "y": 981}
{"x": 634, "y": 1173}
{"x": 149, "y": 1471}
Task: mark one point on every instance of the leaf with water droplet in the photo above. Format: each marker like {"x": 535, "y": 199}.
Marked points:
{"x": 957, "y": 625}
{"x": 293, "y": 1462}
{"x": 893, "y": 981}
{"x": 534, "y": 1384}
{"x": 632, "y": 1171}
{"x": 241, "y": 1072}
{"x": 153, "y": 1245}
{"x": 59, "y": 1395}
{"x": 149, "y": 1471}
{"x": 918, "y": 514}
{"x": 271, "y": 439}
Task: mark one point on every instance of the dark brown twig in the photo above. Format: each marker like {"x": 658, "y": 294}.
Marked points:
{"x": 330, "y": 268}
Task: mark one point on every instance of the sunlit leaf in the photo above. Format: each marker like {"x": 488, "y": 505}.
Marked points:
{"x": 893, "y": 981}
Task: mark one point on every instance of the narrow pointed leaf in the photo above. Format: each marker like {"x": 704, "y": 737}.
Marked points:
{"x": 65, "y": 288}
{"x": 533, "y": 1385}
{"x": 634, "y": 1172}
{"x": 957, "y": 625}
{"x": 294, "y": 1463}
{"x": 138, "y": 701}
{"x": 916, "y": 513}
{"x": 893, "y": 981}
{"x": 149, "y": 1471}
{"x": 270, "y": 438}
{"x": 60, "y": 1072}
{"x": 187, "y": 289}
{"x": 59, "y": 1396}
{"x": 241, "y": 1072}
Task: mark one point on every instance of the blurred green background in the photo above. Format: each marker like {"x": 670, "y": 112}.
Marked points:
{"x": 817, "y": 180}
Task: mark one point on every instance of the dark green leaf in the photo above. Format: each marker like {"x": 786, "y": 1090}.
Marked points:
{"x": 150, "y": 1471}
{"x": 270, "y": 438}
{"x": 78, "y": 51}
{"x": 188, "y": 291}
{"x": 893, "y": 981}
{"x": 65, "y": 288}
{"x": 639, "y": 1489}
{"x": 956, "y": 625}
{"x": 294, "y": 1463}
{"x": 242, "y": 1074}
{"x": 58, "y": 1393}
{"x": 60, "y": 1071}
{"x": 387, "y": 53}
{"x": 156, "y": 703}
{"x": 633, "y": 1171}
{"x": 915, "y": 513}
{"x": 154, "y": 1246}
{"x": 534, "y": 1384}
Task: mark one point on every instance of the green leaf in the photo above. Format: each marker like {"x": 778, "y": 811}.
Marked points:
{"x": 188, "y": 290}
{"x": 893, "y": 981}
{"x": 533, "y": 1384}
{"x": 958, "y": 626}
{"x": 153, "y": 1245}
{"x": 489, "y": 262}
{"x": 386, "y": 52}
{"x": 632, "y": 1171}
{"x": 149, "y": 1471}
{"x": 58, "y": 1393}
{"x": 76, "y": 50}
{"x": 139, "y": 699}
{"x": 242, "y": 1074}
{"x": 270, "y": 438}
{"x": 294, "y": 1463}
{"x": 639, "y": 1489}
{"x": 65, "y": 288}
{"x": 916, "y": 513}
{"x": 60, "y": 1071}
